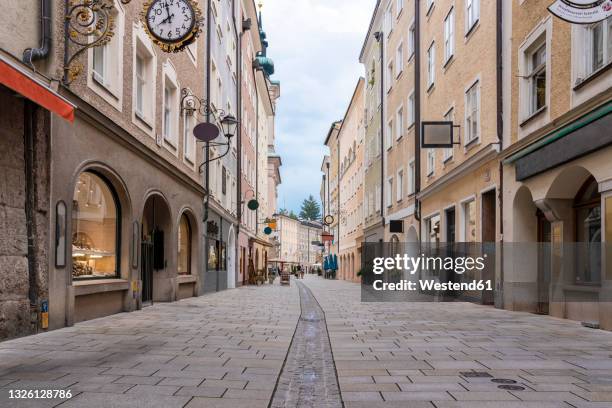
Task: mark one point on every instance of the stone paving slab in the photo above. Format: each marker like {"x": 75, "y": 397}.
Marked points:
{"x": 425, "y": 349}
{"x": 216, "y": 351}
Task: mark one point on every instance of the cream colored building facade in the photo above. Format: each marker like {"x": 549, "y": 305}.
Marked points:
{"x": 351, "y": 146}
{"x": 459, "y": 195}
{"x": 557, "y": 169}
{"x": 399, "y": 180}
{"x": 372, "y": 58}
{"x": 332, "y": 176}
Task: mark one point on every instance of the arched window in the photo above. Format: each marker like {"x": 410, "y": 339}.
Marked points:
{"x": 95, "y": 228}
{"x": 184, "y": 246}
{"x": 587, "y": 211}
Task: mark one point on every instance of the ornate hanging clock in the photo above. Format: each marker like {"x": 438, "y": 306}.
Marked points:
{"x": 172, "y": 24}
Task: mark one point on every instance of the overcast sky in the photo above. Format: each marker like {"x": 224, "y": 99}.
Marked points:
{"x": 315, "y": 46}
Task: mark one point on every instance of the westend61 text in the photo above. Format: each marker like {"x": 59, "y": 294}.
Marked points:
{"x": 429, "y": 285}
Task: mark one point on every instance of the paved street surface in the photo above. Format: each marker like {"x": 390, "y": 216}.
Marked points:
{"x": 228, "y": 350}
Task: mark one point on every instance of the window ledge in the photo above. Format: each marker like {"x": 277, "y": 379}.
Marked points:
{"x": 431, "y": 87}
{"x": 592, "y": 76}
{"x": 474, "y": 142}
{"x": 448, "y": 62}
{"x": 584, "y": 287}
{"x": 91, "y": 286}
{"x": 141, "y": 118}
{"x": 448, "y": 160}
{"x": 472, "y": 29}
{"x": 533, "y": 116}
{"x": 103, "y": 87}
{"x": 186, "y": 279}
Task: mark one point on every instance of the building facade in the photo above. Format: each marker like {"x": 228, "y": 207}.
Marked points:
{"x": 372, "y": 57}
{"x": 351, "y": 146}
{"x": 529, "y": 98}
{"x": 107, "y": 178}
{"x": 556, "y": 165}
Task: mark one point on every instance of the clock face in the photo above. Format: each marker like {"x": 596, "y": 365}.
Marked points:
{"x": 170, "y": 21}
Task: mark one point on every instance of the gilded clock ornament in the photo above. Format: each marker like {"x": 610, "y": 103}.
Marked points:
{"x": 172, "y": 24}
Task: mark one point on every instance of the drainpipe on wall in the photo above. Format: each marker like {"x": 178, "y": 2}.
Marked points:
{"x": 417, "y": 113}
{"x": 379, "y": 35}
{"x": 34, "y": 54}
{"x": 500, "y": 137}
{"x": 207, "y": 154}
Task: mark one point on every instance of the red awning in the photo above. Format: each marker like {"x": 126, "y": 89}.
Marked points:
{"x": 25, "y": 84}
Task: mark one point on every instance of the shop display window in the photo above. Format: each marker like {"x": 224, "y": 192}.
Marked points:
{"x": 184, "y": 246}
{"x": 95, "y": 226}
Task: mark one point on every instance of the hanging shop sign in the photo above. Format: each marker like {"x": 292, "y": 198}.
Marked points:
{"x": 172, "y": 24}
{"x": 581, "y": 11}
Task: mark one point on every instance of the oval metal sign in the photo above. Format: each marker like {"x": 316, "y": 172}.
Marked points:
{"x": 205, "y": 132}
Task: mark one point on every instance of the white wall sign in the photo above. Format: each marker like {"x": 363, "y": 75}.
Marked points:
{"x": 581, "y": 11}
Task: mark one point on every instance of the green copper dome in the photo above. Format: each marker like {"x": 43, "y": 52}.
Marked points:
{"x": 265, "y": 63}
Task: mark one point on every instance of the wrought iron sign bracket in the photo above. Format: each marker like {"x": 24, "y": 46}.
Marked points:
{"x": 87, "y": 24}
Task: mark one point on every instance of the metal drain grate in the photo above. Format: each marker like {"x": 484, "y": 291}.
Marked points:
{"x": 511, "y": 387}
{"x": 503, "y": 381}
{"x": 475, "y": 374}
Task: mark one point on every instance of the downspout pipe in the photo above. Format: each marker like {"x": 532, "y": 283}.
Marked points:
{"x": 500, "y": 136}
{"x": 35, "y": 54}
{"x": 207, "y": 153}
{"x": 379, "y": 35}
{"x": 417, "y": 112}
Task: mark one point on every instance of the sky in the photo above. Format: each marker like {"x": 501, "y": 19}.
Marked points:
{"x": 315, "y": 45}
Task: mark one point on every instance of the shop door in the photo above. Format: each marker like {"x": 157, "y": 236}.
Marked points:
{"x": 544, "y": 263}
{"x": 450, "y": 225}
{"x": 146, "y": 272}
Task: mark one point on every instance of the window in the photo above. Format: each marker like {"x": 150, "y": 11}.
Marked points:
{"x": 170, "y": 108}
{"x": 449, "y": 35}
{"x": 377, "y": 198}
{"x": 587, "y": 211}
{"x": 390, "y": 76}
{"x": 472, "y": 13}
{"x": 469, "y": 221}
{"x": 223, "y": 180}
{"x": 399, "y": 58}
{"x": 140, "y": 83}
{"x": 188, "y": 138}
{"x": 431, "y": 65}
{"x": 431, "y": 162}
{"x": 95, "y": 228}
{"x": 472, "y": 102}
{"x": 389, "y": 20}
{"x": 400, "y": 185}
{"x": 389, "y": 192}
{"x": 399, "y": 123}
{"x": 411, "y": 109}
{"x": 105, "y": 62}
{"x": 449, "y": 117}
{"x": 428, "y": 6}
{"x": 400, "y": 6}
{"x": 144, "y": 80}
{"x": 99, "y": 63}
{"x": 411, "y": 40}
{"x": 411, "y": 177}
{"x": 598, "y": 52}
{"x": 184, "y": 246}
{"x": 389, "y": 135}
{"x": 537, "y": 79}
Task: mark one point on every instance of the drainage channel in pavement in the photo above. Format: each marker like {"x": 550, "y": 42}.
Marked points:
{"x": 308, "y": 377}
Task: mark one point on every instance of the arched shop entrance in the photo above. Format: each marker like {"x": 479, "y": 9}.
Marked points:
{"x": 156, "y": 237}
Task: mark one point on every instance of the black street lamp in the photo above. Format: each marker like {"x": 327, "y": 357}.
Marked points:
{"x": 229, "y": 124}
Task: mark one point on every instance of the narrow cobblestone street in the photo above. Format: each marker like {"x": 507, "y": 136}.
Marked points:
{"x": 228, "y": 350}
